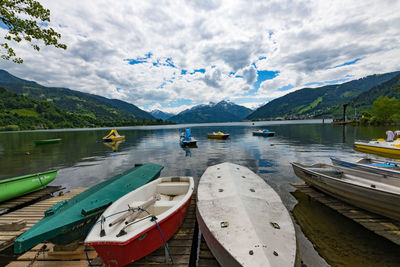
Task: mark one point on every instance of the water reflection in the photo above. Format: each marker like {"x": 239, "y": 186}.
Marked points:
{"x": 84, "y": 161}
{"x": 113, "y": 145}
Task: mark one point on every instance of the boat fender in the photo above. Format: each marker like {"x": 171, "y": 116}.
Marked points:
{"x": 53, "y": 210}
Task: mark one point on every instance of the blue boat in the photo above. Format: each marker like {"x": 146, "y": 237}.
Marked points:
{"x": 186, "y": 140}
{"x": 266, "y": 133}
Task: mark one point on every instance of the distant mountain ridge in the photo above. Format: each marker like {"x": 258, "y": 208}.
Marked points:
{"x": 74, "y": 101}
{"x": 161, "y": 114}
{"x": 308, "y": 101}
{"x": 223, "y": 111}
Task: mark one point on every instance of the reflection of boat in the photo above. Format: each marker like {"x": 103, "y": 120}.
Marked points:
{"x": 18, "y": 186}
{"x": 113, "y": 145}
{"x": 219, "y": 135}
{"x": 186, "y": 140}
{"x": 374, "y": 195}
{"x": 372, "y": 167}
{"x": 70, "y": 220}
{"x": 47, "y": 141}
{"x": 113, "y": 136}
{"x": 243, "y": 220}
{"x": 133, "y": 234}
{"x": 265, "y": 133}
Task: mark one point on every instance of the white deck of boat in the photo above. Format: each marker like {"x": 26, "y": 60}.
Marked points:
{"x": 231, "y": 193}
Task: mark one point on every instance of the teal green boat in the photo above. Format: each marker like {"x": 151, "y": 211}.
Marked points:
{"x": 70, "y": 220}
{"x": 21, "y": 185}
{"x": 47, "y": 141}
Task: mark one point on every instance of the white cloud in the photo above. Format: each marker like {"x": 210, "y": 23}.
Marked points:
{"x": 303, "y": 40}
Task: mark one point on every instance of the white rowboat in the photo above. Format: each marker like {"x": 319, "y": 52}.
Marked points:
{"x": 243, "y": 220}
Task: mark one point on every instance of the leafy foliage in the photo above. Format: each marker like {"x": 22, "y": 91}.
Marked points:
{"x": 18, "y": 112}
{"x": 26, "y": 20}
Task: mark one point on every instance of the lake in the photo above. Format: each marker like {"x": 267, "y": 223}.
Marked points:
{"x": 324, "y": 236}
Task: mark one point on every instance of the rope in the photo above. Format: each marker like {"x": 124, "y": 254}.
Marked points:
{"x": 154, "y": 218}
{"x": 86, "y": 253}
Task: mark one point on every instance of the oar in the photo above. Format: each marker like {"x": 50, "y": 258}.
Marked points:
{"x": 141, "y": 208}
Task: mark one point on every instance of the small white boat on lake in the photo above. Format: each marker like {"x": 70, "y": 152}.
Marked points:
{"x": 378, "y": 196}
{"x": 243, "y": 220}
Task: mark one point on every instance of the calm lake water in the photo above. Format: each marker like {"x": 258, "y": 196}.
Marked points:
{"x": 324, "y": 236}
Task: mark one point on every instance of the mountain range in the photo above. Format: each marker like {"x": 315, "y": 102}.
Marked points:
{"x": 224, "y": 111}
{"x": 75, "y": 102}
{"x": 161, "y": 115}
{"x": 320, "y": 101}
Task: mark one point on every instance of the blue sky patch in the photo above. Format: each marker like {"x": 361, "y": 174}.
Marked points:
{"x": 139, "y": 60}
{"x": 198, "y": 70}
{"x": 286, "y": 87}
{"x": 183, "y": 72}
{"x": 348, "y": 63}
{"x": 118, "y": 89}
{"x": 263, "y": 75}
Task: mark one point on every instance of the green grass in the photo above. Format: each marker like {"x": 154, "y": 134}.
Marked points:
{"x": 25, "y": 112}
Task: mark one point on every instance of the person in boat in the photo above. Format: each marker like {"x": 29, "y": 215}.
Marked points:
{"x": 390, "y": 136}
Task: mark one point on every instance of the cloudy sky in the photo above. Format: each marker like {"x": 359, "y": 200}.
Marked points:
{"x": 171, "y": 55}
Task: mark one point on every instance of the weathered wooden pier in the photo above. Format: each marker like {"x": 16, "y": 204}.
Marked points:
{"x": 380, "y": 225}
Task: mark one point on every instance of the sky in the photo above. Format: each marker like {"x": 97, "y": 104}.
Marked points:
{"x": 172, "y": 55}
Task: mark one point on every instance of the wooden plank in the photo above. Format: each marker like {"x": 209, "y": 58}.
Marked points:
{"x": 82, "y": 263}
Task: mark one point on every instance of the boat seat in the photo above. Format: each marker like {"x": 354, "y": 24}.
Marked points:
{"x": 172, "y": 188}
{"x": 165, "y": 203}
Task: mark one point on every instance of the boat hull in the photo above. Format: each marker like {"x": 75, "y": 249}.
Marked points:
{"x": 370, "y": 171}
{"x": 117, "y": 254}
{"x": 363, "y": 193}
{"x": 48, "y": 141}
{"x": 18, "y": 186}
{"x": 377, "y": 148}
{"x": 71, "y": 219}
{"x": 216, "y": 136}
{"x": 268, "y": 134}
{"x": 243, "y": 220}
{"x": 114, "y": 139}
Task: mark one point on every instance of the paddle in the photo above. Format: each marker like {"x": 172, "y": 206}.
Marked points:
{"x": 139, "y": 211}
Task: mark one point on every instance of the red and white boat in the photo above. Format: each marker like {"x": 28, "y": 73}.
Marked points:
{"x": 127, "y": 230}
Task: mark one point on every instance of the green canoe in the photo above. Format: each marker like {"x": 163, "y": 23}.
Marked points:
{"x": 18, "y": 186}
{"x": 47, "y": 141}
{"x": 71, "y": 220}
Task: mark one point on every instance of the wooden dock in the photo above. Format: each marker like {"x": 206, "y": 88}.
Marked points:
{"x": 389, "y": 229}
{"x": 29, "y": 198}
{"x": 15, "y": 223}
{"x": 180, "y": 246}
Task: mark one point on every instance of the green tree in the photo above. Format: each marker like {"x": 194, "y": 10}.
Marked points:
{"x": 26, "y": 20}
{"x": 384, "y": 109}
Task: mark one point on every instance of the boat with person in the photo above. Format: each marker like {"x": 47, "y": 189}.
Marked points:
{"x": 70, "y": 220}
{"x": 377, "y": 196}
{"x": 218, "y": 135}
{"x": 382, "y": 169}
{"x": 242, "y": 219}
{"x": 141, "y": 221}
{"x": 186, "y": 139}
{"x": 47, "y": 141}
{"x": 389, "y": 147}
{"x": 113, "y": 136}
{"x": 265, "y": 133}
{"x": 18, "y": 186}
